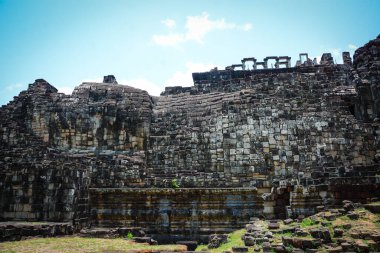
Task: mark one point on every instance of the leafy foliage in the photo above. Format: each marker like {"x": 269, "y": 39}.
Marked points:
{"x": 174, "y": 184}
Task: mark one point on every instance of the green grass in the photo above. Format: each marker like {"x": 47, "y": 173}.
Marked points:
{"x": 307, "y": 222}
{"x": 286, "y": 234}
{"x": 78, "y": 244}
{"x": 344, "y": 218}
{"x": 234, "y": 240}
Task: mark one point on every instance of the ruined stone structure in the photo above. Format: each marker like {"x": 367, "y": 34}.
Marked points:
{"x": 271, "y": 142}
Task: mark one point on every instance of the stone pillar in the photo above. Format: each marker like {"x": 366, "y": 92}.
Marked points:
{"x": 243, "y": 64}
{"x": 109, "y": 79}
{"x": 347, "y": 58}
{"x": 277, "y": 64}
{"x": 327, "y": 59}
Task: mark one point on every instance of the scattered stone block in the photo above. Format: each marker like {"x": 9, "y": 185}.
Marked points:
{"x": 249, "y": 241}
{"x": 273, "y": 225}
{"x": 239, "y": 249}
{"x": 191, "y": 245}
{"x": 353, "y": 215}
{"x": 321, "y": 233}
{"x": 338, "y": 232}
{"x": 288, "y": 221}
{"x": 215, "y": 240}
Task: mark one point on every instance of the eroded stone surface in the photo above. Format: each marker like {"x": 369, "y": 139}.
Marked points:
{"x": 298, "y": 138}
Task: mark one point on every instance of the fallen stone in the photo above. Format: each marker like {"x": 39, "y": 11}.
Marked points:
{"x": 320, "y": 208}
{"x": 249, "y": 241}
{"x": 375, "y": 237}
{"x": 135, "y": 231}
{"x": 288, "y": 221}
{"x": 321, "y": 233}
{"x": 348, "y": 206}
{"x": 191, "y": 245}
{"x": 301, "y": 233}
{"x": 280, "y": 249}
{"x": 239, "y": 249}
{"x": 145, "y": 239}
{"x": 362, "y": 247}
{"x": 346, "y": 225}
{"x": 337, "y": 249}
{"x": 268, "y": 234}
{"x": 302, "y": 243}
{"x": 353, "y": 215}
{"x": 273, "y": 225}
{"x": 215, "y": 240}
{"x": 346, "y": 246}
{"x": 261, "y": 240}
{"x": 266, "y": 247}
{"x": 338, "y": 232}
{"x": 331, "y": 217}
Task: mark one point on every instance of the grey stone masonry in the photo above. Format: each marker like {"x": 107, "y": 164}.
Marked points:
{"x": 270, "y": 142}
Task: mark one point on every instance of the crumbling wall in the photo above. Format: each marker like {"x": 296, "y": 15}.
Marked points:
{"x": 97, "y": 116}
{"x": 296, "y": 137}
{"x": 48, "y": 188}
{"x": 275, "y": 126}
{"x": 52, "y": 145}
{"x": 173, "y": 214}
{"x": 367, "y": 78}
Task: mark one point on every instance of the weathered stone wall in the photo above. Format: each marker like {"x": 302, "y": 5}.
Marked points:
{"x": 367, "y": 78}
{"x": 275, "y": 126}
{"x": 295, "y": 137}
{"x": 50, "y": 187}
{"x": 52, "y": 145}
{"x": 171, "y": 214}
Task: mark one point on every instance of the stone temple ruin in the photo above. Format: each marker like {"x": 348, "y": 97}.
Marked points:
{"x": 271, "y": 142}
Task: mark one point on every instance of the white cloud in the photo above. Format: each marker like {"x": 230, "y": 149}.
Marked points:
{"x": 15, "y": 87}
{"x": 185, "y": 78}
{"x": 246, "y": 27}
{"x": 352, "y": 47}
{"x": 196, "y": 28}
{"x": 170, "y": 23}
{"x": 168, "y": 40}
{"x": 144, "y": 84}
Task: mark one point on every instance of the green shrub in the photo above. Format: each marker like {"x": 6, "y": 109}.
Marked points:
{"x": 130, "y": 236}
{"x": 174, "y": 184}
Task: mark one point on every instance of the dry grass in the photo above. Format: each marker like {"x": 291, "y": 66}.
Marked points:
{"x": 82, "y": 245}
{"x": 366, "y": 220}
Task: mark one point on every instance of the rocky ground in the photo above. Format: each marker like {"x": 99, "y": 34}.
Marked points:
{"x": 351, "y": 228}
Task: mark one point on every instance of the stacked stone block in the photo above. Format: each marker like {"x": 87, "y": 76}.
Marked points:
{"x": 270, "y": 131}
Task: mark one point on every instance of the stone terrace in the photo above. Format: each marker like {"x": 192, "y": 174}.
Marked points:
{"x": 264, "y": 142}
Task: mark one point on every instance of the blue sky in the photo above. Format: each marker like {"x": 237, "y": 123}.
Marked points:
{"x": 158, "y": 43}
